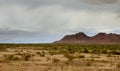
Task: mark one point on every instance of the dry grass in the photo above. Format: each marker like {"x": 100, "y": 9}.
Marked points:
{"x": 32, "y": 59}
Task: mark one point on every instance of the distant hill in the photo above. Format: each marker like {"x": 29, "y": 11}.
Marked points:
{"x": 82, "y": 38}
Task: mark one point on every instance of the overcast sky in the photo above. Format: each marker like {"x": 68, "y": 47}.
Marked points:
{"x": 49, "y": 20}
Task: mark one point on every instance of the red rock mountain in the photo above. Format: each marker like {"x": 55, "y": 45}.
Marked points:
{"x": 100, "y": 38}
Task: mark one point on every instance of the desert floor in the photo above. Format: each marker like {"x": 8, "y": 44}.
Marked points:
{"x": 27, "y": 59}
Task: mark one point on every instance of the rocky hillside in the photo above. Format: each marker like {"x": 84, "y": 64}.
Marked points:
{"x": 100, "y": 38}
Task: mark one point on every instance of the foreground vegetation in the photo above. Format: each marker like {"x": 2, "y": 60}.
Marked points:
{"x": 67, "y": 48}
{"x": 59, "y": 57}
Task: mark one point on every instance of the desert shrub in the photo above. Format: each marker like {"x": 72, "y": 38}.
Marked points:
{"x": 70, "y": 57}
{"x": 82, "y": 56}
{"x": 48, "y": 58}
{"x": 109, "y": 54}
{"x": 118, "y": 65}
{"x": 116, "y": 52}
{"x": 86, "y": 51}
{"x": 96, "y": 51}
{"x": 70, "y": 50}
{"x": 42, "y": 54}
{"x": 4, "y": 60}
{"x": 92, "y": 59}
{"x": 19, "y": 53}
{"x": 37, "y": 52}
{"x": 104, "y": 51}
{"x": 26, "y": 57}
{"x": 11, "y": 58}
{"x": 14, "y": 58}
{"x": 2, "y": 48}
{"x": 51, "y": 53}
{"x": 88, "y": 63}
{"x": 55, "y": 60}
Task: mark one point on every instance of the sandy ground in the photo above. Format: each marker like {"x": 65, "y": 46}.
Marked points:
{"x": 47, "y": 62}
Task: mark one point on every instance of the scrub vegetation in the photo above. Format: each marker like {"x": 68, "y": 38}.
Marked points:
{"x": 59, "y": 57}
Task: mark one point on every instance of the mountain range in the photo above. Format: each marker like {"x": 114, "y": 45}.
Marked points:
{"x": 82, "y": 38}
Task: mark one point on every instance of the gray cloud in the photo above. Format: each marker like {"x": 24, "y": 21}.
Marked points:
{"x": 18, "y": 36}
{"x": 101, "y": 1}
{"x": 49, "y": 20}
{"x": 68, "y": 4}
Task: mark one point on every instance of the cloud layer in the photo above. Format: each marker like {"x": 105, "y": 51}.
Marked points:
{"x": 49, "y": 20}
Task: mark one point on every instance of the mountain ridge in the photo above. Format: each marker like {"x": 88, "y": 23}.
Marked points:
{"x": 100, "y": 38}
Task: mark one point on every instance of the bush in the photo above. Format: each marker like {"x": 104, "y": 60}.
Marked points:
{"x": 82, "y": 56}
{"x": 12, "y": 57}
{"x": 48, "y": 58}
{"x": 26, "y": 57}
{"x": 109, "y": 54}
{"x": 118, "y": 65}
{"x": 42, "y": 54}
{"x": 4, "y": 60}
{"x": 86, "y": 51}
{"x": 55, "y": 60}
{"x": 88, "y": 63}
{"x": 70, "y": 57}
{"x": 15, "y": 58}
{"x": 2, "y": 48}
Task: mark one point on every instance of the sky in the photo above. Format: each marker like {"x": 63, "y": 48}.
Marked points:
{"x": 45, "y": 21}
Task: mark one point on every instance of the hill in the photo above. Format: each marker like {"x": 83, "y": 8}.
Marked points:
{"x": 100, "y": 38}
